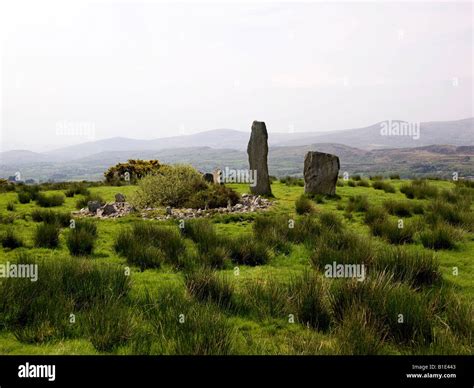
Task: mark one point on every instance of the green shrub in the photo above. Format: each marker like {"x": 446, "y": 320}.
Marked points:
{"x": 47, "y": 236}
{"x": 11, "y": 240}
{"x": 131, "y": 171}
{"x": 172, "y": 186}
{"x": 50, "y": 200}
{"x": 303, "y": 205}
{"x": 24, "y": 197}
{"x": 214, "y": 196}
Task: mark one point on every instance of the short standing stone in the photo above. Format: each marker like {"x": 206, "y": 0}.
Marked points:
{"x": 320, "y": 173}
{"x": 169, "y": 211}
{"x": 257, "y": 150}
{"x": 217, "y": 176}
{"x": 93, "y": 206}
{"x": 119, "y": 197}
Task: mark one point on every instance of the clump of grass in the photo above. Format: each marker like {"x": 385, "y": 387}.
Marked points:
{"x": 363, "y": 183}
{"x": 11, "y": 206}
{"x": 51, "y": 217}
{"x": 411, "y": 266}
{"x": 76, "y": 188}
{"x": 50, "y": 200}
{"x": 360, "y": 333}
{"x": 376, "y": 177}
{"x": 356, "y": 177}
{"x": 62, "y": 286}
{"x": 11, "y": 240}
{"x": 351, "y": 183}
{"x": 47, "y": 236}
{"x": 303, "y": 205}
{"x": 81, "y": 239}
{"x": 385, "y": 186}
{"x": 141, "y": 245}
{"x": 393, "y": 231}
{"x": 308, "y": 298}
{"x": 306, "y": 229}
{"x": 453, "y": 214}
{"x": 398, "y": 208}
{"x": 358, "y": 203}
{"x": 440, "y": 236}
{"x": 394, "y": 176}
{"x": 247, "y": 250}
{"x": 342, "y": 248}
{"x": 183, "y": 327}
{"x": 331, "y": 221}
{"x": 406, "y": 314}
{"x": 110, "y": 325}
{"x": 265, "y": 298}
{"x": 375, "y": 214}
{"x": 419, "y": 189}
{"x": 24, "y": 197}
{"x": 292, "y": 181}
{"x": 207, "y": 286}
{"x": 274, "y": 231}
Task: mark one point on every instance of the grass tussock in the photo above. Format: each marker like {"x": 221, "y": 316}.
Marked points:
{"x": 47, "y": 236}
{"x": 385, "y": 186}
{"x": 304, "y": 205}
{"x": 50, "y": 200}
{"x": 49, "y": 216}
{"x": 10, "y": 239}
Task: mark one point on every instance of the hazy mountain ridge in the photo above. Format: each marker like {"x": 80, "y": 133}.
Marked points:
{"x": 225, "y": 147}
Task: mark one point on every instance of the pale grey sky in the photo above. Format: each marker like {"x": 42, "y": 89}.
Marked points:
{"x": 77, "y": 71}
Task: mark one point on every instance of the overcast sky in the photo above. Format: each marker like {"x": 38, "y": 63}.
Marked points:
{"x": 77, "y": 71}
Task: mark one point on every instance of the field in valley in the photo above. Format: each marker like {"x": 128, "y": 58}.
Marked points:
{"x": 250, "y": 283}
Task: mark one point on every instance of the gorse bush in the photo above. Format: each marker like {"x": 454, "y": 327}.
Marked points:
{"x": 46, "y": 236}
{"x": 303, "y": 205}
{"x": 50, "y": 200}
{"x": 131, "y": 171}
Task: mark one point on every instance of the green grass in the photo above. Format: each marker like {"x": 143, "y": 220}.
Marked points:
{"x": 237, "y": 280}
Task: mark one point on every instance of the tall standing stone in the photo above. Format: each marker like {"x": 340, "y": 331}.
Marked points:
{"x": 257, "y": 150}
{"x": 320, "y": 173}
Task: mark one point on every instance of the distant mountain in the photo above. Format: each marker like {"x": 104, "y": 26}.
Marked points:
{"x": 433, "y": 160}
{"x": 21, "y": 157}
{"x": 460, "y": 132}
